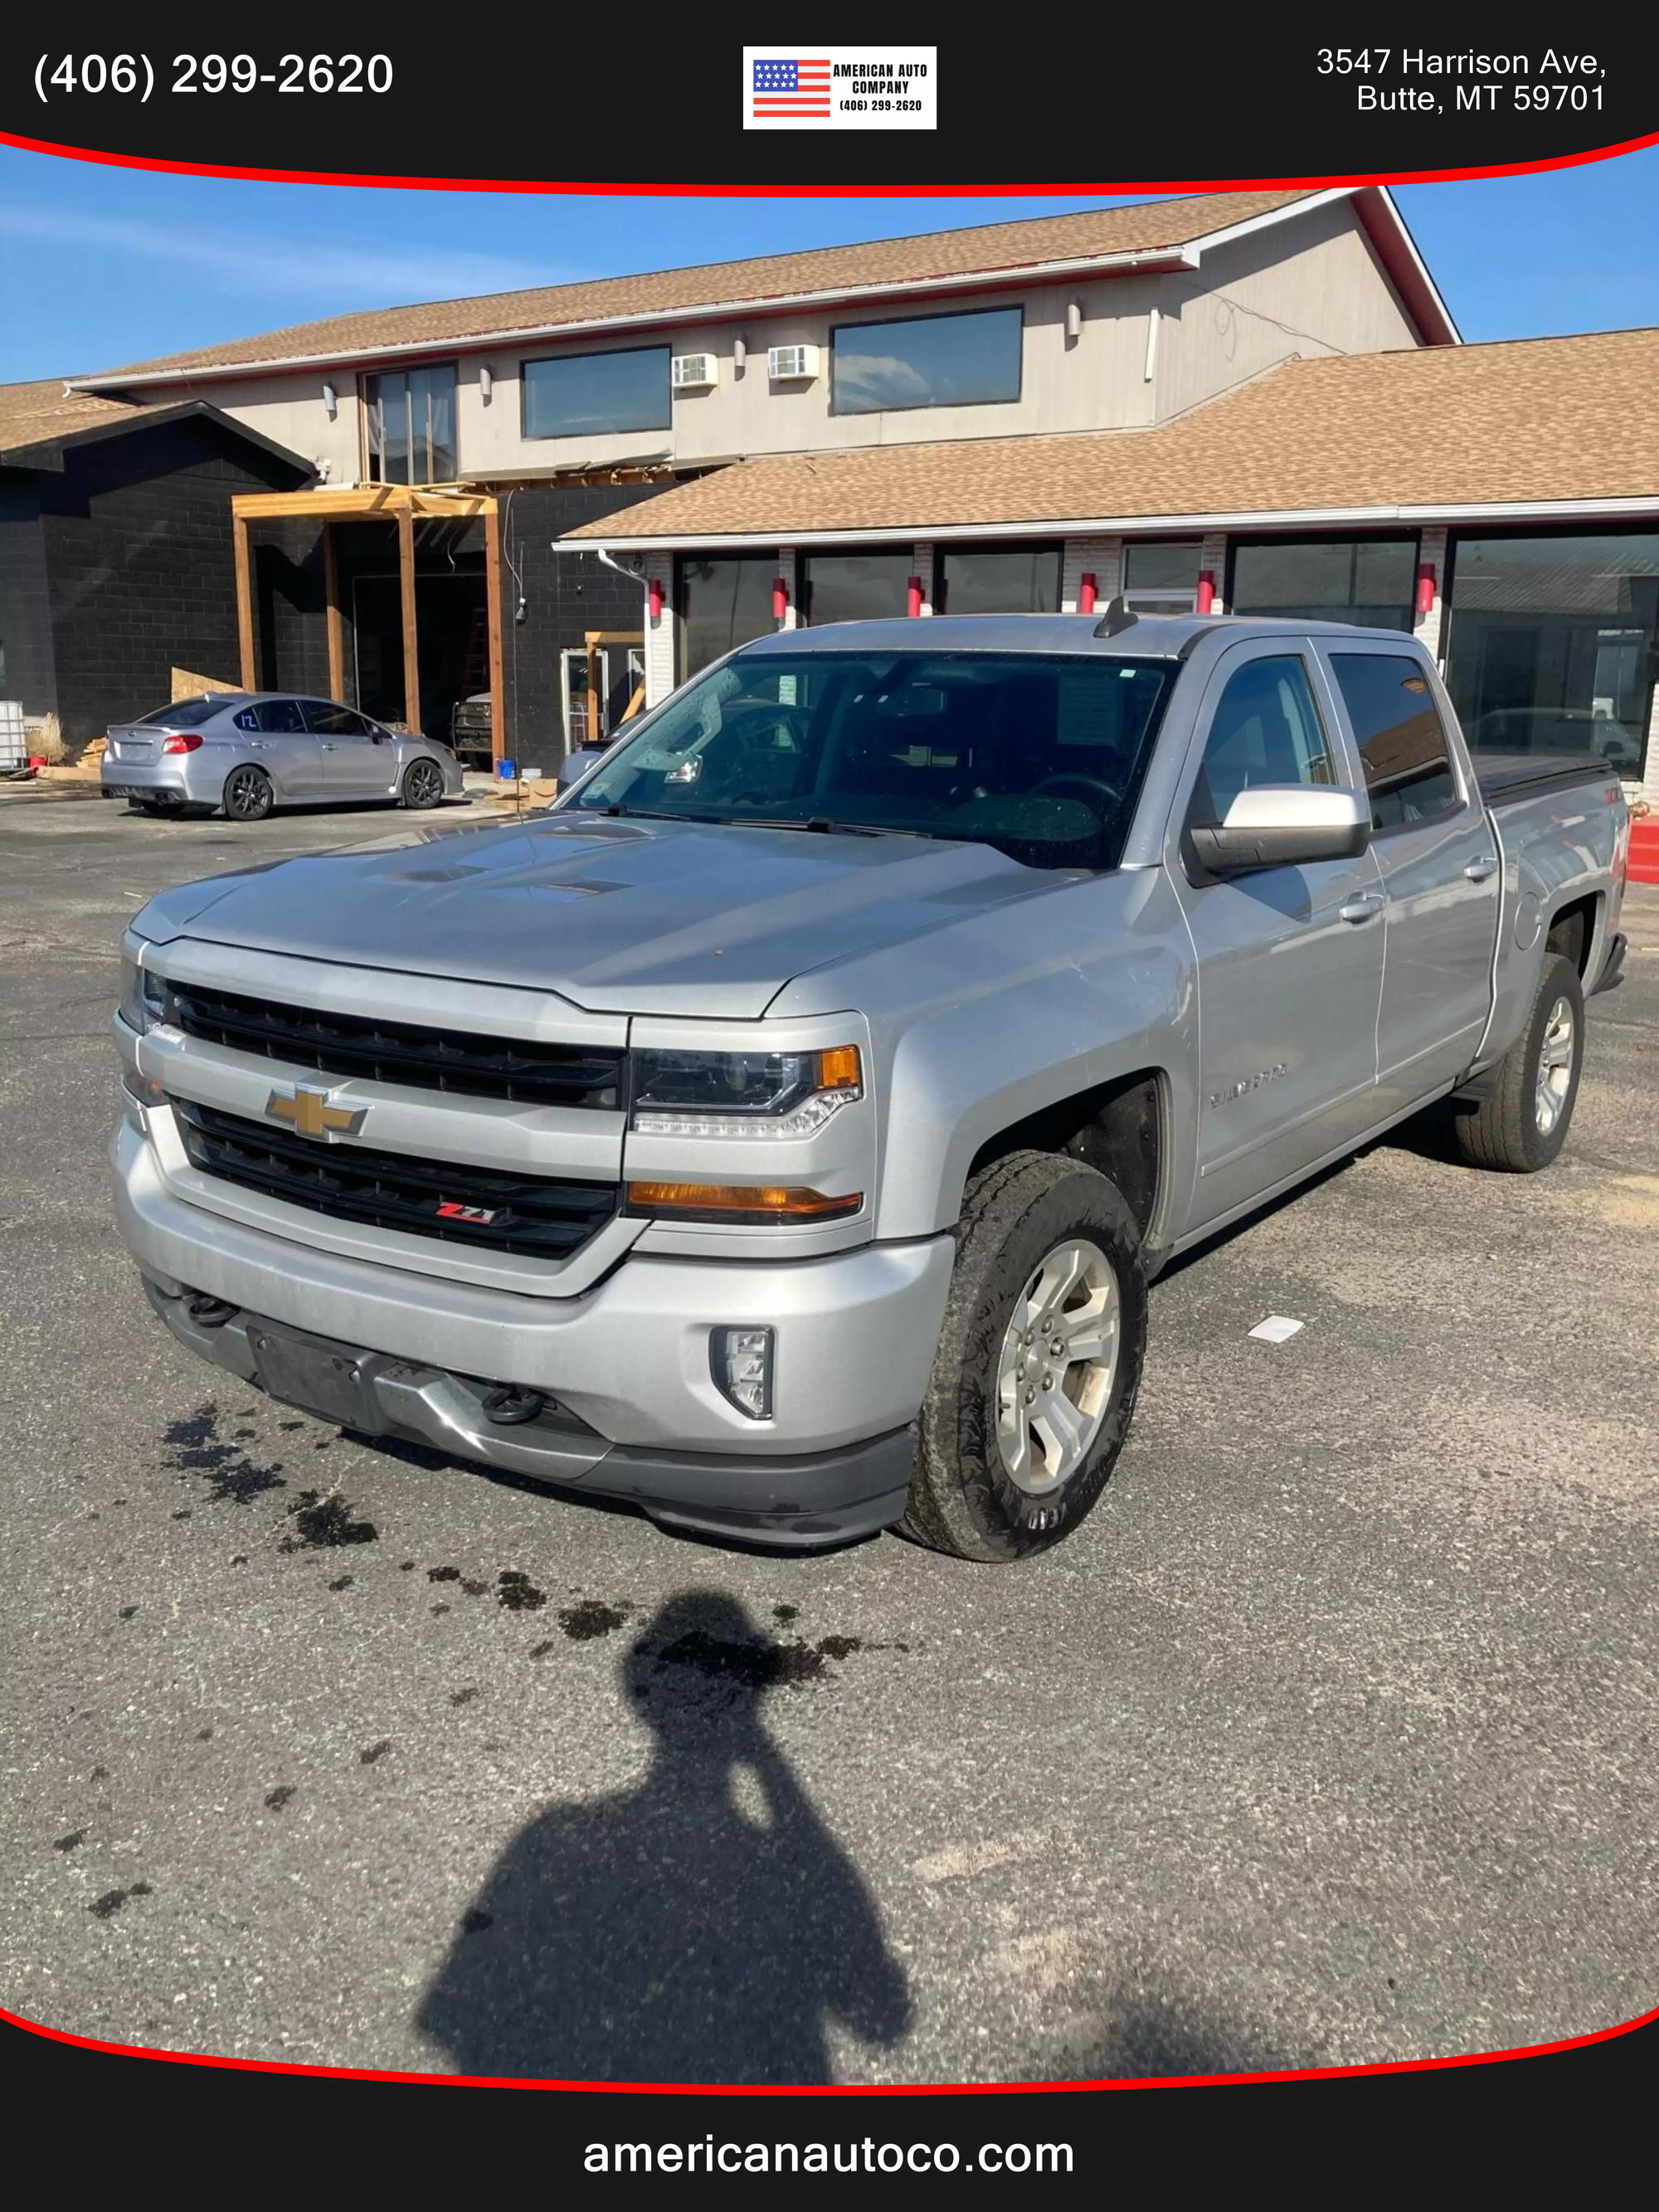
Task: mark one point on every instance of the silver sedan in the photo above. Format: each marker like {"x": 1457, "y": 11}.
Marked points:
{"x": 247, "y": 751}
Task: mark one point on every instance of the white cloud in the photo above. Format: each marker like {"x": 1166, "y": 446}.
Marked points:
{"x": 364, "y": 271}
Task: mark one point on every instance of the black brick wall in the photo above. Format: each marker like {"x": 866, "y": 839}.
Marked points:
{"x": 139, "y": 563}
{"x": 564, "y": 594}
{"x": 26, "y": 663}
{"x": 290, "y": 593}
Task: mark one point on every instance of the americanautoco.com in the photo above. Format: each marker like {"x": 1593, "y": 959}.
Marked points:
{"x": 709, "y": 2156}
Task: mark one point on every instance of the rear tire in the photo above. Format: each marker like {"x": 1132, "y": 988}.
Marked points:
{"x": 1523, "y": 1124}
{"x": 422, "y": 785}
{"x": 248, "y": 794}
{"x": 999, "y": 1475}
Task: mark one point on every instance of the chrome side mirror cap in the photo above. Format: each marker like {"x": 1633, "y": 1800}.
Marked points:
{"x": 1289, "y": 825}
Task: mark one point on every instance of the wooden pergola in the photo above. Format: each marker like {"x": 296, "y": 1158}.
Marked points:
{"x": 405, "y": 506}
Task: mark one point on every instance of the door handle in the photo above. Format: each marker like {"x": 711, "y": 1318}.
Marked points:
{"x": 327, "y": 748}
{"x": 1478, "y": 871}
{"x": 1361, "y": 906}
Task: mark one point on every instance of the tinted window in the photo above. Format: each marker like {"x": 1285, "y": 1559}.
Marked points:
{"x": 938, "y": 360}
{"x": 1266, "y": 730}
{"x": 1554, "y": 643}
{"x": 1039, "y": 755}
{"x": 1162, "y": 579}
{"x": 1001, "y": 579}
{"x": 1408, "y": 770}
{"x": 855, "y": 586}
{"x": 188, "y": 713}
{"x": 275, "y": 716}
{"x": 724, "y": 603}
{"x": 330, "y": 721}
{"x": 576, "y": 394}
{"x": 1351, "y": 580}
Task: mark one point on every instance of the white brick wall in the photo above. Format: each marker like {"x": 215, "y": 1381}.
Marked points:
{"x": 921, "y": 564}
{"x": 1213, "y": 556}
{"x": 659, "y": 634}
{"x": 1429, "y": 629}
{"x": 789, "y": 571}
{"x": 1104, "y": 557}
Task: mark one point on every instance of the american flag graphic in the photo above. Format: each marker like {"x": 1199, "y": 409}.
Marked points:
{"x": 790, "y": 89}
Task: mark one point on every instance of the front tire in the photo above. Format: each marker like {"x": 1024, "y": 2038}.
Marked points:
{"x": 248, "y": 794}
{"x": 1039, "y": 1360}
{"x": 422, "y": 785}
{"x": 1523, "y": 1124}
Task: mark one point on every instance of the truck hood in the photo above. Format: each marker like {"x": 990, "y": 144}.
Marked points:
{"x": 617, "y": 915}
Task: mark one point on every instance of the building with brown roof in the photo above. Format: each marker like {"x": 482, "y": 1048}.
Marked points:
{"x": 1255, "y": 401}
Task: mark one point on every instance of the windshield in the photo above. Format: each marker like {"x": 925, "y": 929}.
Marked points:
{"x": 1040, "y": 754}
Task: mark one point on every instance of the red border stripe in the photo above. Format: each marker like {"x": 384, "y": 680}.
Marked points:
{"x": 934, "y": 191}
{"x": 818, "y": 2089}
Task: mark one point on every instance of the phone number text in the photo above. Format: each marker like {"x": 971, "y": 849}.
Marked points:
{"x": 135, "y": 76}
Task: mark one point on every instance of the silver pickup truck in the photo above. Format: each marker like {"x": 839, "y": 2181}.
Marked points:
{"x": 782, "y": 1131}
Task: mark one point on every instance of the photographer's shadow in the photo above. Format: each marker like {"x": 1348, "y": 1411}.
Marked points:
{"x": 672, "y": 1933}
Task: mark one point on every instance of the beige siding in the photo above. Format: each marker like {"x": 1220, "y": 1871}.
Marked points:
{"x": 291, "y": 410}
{"x": 1310, "y": 288}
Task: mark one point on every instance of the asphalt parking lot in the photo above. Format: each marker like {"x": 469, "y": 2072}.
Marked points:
{"x": 1329, "y": 1739}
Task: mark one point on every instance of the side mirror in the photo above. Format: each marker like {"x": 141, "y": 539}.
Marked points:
{"x": 1285, "y": 826}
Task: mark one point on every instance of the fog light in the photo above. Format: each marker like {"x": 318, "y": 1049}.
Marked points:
{"x": 740, "y": 1361}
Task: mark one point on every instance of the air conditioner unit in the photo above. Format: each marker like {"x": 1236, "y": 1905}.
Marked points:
{"x": 792, "y": 364}
{"x": 693, "y": 372}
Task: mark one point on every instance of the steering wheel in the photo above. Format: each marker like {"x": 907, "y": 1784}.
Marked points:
{"x": 1095, "y": 785}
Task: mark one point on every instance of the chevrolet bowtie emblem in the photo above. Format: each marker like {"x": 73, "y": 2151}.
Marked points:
{"x": 310, "y": 1113}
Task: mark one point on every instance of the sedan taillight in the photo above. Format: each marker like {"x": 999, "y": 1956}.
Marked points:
{"x": 183, "y": 741}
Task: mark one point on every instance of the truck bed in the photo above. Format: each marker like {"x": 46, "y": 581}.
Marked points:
{"x": 1504, "y": 778}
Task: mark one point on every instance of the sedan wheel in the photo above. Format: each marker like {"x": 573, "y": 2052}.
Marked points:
{"x": 248, "y": 794}
{"x": 423, "y": 784}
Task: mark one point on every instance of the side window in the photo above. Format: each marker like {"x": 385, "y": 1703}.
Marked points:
{"x": 278, "y": 717}
{"x": 1266, "y": 730}
{"x": 249, "y": 720}
{"x": 327, "y": 722}
{"x": 1397, "y": 727}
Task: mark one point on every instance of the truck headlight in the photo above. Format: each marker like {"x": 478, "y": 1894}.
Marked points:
{"x": 143, "y": 996}
{"x": 743, "y": 1094}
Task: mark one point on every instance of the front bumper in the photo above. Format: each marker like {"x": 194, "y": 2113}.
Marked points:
{"x": 627, "y": 1360}
{"x": 796, "y": 1501}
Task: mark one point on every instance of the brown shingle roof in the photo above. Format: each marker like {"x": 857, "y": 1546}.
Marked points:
{"x": 1532, "y": 419}
{"x": 38, "y": 414}
{"x": 1144, "y": 228}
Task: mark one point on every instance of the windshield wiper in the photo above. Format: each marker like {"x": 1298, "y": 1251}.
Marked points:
{"x": 822, "y": 826}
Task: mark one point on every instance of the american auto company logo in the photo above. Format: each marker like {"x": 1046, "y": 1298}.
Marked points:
{"x": 311, "y": 1114}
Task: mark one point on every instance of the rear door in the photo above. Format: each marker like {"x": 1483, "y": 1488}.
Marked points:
{"x": 1437, "y": 852}
{"x": 359, "y": 761}
{"x": 272, "y": 733}
{"x": 1289, "y": 960}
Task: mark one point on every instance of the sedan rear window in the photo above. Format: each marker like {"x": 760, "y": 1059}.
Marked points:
{"x": 188, "y": 713}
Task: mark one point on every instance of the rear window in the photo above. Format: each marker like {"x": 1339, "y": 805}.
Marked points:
{"x": 187, "y": 713}
{"x": 1402, "y": 744}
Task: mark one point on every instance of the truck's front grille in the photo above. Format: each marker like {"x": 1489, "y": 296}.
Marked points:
{"x": 526, "y": 1069}
{"x": 540, "y": 1216}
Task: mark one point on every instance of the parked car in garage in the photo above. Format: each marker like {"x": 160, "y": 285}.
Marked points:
{"x": 249, "y": 751}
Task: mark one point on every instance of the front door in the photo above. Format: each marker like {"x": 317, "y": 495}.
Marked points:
{"x": 1289, "y": 959}
{"x": 1438, "y": 857}
{"x": 357, "y": 762}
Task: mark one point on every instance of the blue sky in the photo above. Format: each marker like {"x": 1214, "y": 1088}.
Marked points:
{"x": 100, "y": 265}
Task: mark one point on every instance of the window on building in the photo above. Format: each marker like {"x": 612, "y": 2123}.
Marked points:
{"x": 855, "y": 587}
{"x": 997, "y": 580}
{"x": 723, "y": 602}
{"x": 1266, "y": 730}
{"x": 411, "y": 426}
{"x": 935, "y": 361}
{"x": 1161, "y": 579}
{"x": 577, "y": 395}
{"x": 1350, "y": 579}
{"x": 1401, "y": 741}
{"x": 1553, "y": 644}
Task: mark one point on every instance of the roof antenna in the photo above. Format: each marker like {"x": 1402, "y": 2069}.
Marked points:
{"x": 1116, "y": 618}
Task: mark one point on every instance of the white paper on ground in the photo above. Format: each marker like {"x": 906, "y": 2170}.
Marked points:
{"x": 1275, "y": 1328}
